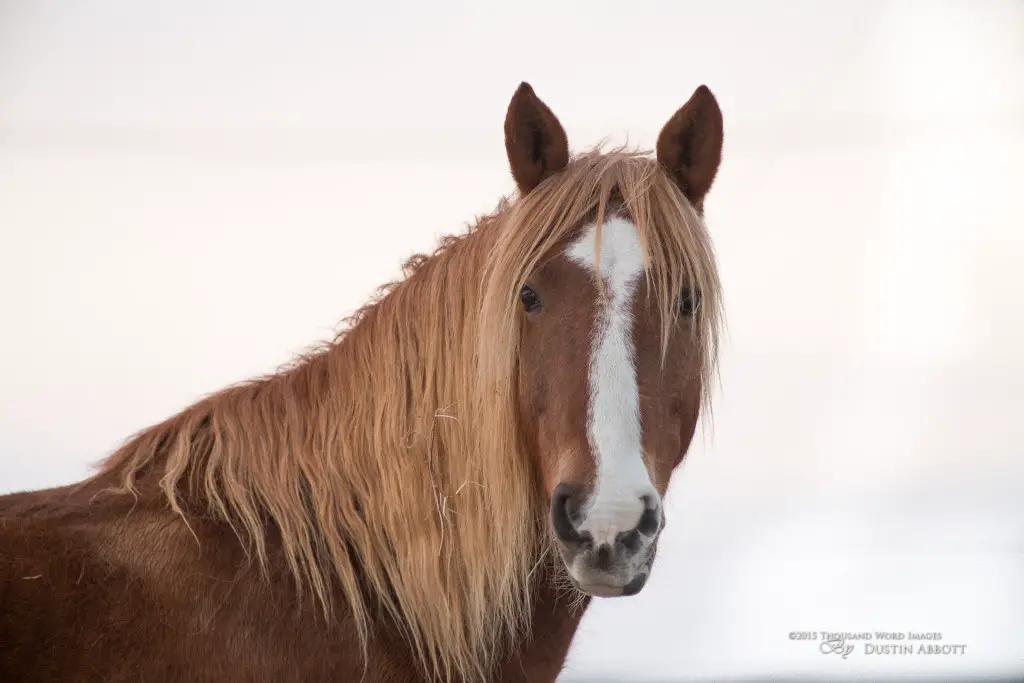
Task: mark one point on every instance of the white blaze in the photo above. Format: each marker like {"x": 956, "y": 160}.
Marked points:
{"x": 614, "y": 428}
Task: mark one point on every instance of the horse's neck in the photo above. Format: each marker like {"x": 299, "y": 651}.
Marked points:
{"x": 540, "y": 658}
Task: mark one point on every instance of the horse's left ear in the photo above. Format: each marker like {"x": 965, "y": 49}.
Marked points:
{"x": 534, "y": 140}
{"x": 690, "y": 145}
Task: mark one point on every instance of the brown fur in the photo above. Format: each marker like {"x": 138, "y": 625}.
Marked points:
{"x": 377, "y": 510}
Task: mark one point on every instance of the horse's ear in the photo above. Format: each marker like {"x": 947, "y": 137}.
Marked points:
{"x": 534, "y": 139}
{"x": 690, "y": 145}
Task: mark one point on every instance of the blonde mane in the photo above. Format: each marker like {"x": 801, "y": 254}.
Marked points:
{"x": 391, "y": 458}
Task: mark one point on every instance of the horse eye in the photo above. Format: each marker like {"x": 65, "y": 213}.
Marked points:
{"x": 531, "y": 302}
{"x": 689, "y": 302}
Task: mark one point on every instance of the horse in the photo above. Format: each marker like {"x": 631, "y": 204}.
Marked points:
{"x": 436, "y": 493}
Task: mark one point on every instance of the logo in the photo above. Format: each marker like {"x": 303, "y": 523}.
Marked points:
{"x": 836, "y": 646}
{"x": 882, "y": 643}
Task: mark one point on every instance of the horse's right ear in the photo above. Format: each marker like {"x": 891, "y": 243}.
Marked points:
{"x": 534, "y": 140}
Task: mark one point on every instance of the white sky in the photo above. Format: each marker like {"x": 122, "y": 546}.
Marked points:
{"x": 192, "y": 192}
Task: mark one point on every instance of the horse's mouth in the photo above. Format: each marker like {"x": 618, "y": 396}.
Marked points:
{"x": 602, "y": 589}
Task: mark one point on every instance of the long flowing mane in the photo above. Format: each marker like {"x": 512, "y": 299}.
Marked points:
{"x": 389, "y": 462}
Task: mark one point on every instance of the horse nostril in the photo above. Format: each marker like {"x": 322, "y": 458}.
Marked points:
{"x": 603, "y": 556}
{"x": 650, "y": 521}
{"x": 563, "y": 503}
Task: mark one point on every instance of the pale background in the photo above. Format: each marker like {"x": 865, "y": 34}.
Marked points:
{"x": 191, "y": 192}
